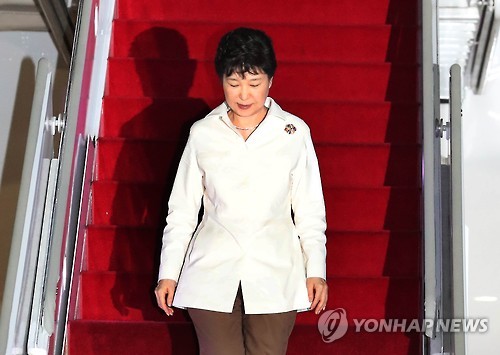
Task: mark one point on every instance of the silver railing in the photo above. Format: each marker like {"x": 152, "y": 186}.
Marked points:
{"x": 40, "y": 292}
{"x": 457, "y": 238}
{"x": 60, "y": 25}
{"x": 22, "y": 330}
{"x": 431, "y": 163}
{"x": 444, "y": 274}
{"x": 467, "y": 30}
{"x": 489, "y": 23}
{"x": 451, "y": 250}
{"x": 90, "y": 54}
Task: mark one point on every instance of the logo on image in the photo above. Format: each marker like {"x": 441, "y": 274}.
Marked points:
{"x": 332, "y": 324}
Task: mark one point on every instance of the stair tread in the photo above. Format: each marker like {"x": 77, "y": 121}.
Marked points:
{"x": 282, "y": 62}
{"x": 129, "y": 296}
{"x": 196, "y": 40}
{"x": 154, "y": 77}
{"x": 326, "y": 187}
{"x": 283, "y": 101}
{"x": 139, "y": 21}
{"x": 153, "y": 141}
{"x": 348, "y": 121}
{"x": 377, "y": 254}
{"x": 340, "y": 11}
{"x": 162, "y": 337}
{"x": 344, "y": 278}
{"x": 123, "y": 228}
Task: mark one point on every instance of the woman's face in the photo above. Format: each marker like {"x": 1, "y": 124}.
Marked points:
{"x": 246, "y": 95}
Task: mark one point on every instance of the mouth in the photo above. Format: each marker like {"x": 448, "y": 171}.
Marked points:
{"x": 244, "y": 107}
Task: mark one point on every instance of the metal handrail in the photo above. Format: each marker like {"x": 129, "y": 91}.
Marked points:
{"x": 50, "y": 277}
{"x": 444, "y": 274}
{"x": 489, "y": 24}
{"x": 90, "y": 53}
{"x": 458, "y": 256}
{"x": 430, "y": 167}
{"x": 60, "y": 25}
{"x": 450, "y": 248}
{"x": 31, "y": 224}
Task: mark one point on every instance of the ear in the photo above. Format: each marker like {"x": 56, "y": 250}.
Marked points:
{"x": 270, "y": 82}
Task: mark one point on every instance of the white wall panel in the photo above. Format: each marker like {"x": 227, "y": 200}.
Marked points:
{"x": 481, "y": 125}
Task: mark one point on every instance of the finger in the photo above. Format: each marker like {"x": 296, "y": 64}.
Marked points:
{"x": 170, "y": 298}
{"x": 317, "y": 296}
{"x": 323, "y": 300}
{"x": 160, "y": 299}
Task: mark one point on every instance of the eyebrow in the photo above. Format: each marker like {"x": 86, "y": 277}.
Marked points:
{"x": 253, "y": 78}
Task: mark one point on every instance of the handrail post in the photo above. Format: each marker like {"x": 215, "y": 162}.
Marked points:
{"x": 457, "y": 231}
{"x": 431, "y": 162}
{"x": 19, "y": 284}
{"x": 94, "y": 17}
{"x": 489, "y": 23}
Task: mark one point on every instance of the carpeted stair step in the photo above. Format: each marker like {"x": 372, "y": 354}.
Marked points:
{"x": 368, "y": 165}
{"x": 151, "y": 161}
{"x": 135, "y": 338}
{"x": 358, "y": 121}
{"x": 123, "y": 296}
{"x": 151, "y": 118}
{"x": 301, "y": 13}
{"x": 377, "y": 253}
{"x": 168, "y": 338}
{"x": 351, "y": 208}
{"x": 137, "y": 160}
{"x": 127, "y": 204}
{"x": 325, "y": 81}
{"x": 124, "y": 249}
{"x": 305, "y": 339}
{"x": 129, "y": 297}
{"x": 366, "y": 209}
{"x": 341, "y": 43}
{"x": 331, "y": 121}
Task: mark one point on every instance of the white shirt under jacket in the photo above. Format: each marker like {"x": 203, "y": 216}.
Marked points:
{"x": 247, "y": 233}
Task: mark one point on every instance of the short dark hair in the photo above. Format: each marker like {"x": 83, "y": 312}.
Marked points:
{"x": 245, "y": 50}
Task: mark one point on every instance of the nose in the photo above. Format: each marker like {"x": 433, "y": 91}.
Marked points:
{"x": 243, "y": 92}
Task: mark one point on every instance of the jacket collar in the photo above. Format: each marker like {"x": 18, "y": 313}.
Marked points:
{"x": 274, "y": 110}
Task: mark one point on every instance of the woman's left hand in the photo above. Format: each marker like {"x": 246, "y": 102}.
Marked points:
{"x": 317, "y": 290}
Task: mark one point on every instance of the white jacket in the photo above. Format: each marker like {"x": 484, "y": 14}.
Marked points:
{"x": 247, "y": 234}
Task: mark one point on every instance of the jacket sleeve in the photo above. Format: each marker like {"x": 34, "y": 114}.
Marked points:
{"x": 183, "y": 208}
{"x": 309, "y": 210}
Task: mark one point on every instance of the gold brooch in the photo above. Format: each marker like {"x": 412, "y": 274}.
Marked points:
{"x": 290, "y": 129}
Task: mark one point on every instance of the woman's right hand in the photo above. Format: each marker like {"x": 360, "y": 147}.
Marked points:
{"x": 164, "y": 292}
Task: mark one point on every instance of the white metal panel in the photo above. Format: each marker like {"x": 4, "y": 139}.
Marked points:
{"x": 457, "y": 230}
{"x": 39, "y": 147}
{"x": 39, "y": 333}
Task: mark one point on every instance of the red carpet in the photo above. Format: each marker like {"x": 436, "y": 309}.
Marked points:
{"x": 351, "y": 71}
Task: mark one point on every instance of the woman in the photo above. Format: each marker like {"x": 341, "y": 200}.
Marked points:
{"x": 258, "y": 255}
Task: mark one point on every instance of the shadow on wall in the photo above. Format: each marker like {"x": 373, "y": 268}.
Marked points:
{"x": 13, "y": 165}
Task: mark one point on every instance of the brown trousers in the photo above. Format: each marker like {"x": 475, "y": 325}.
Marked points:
{"x": 238, "y": 333}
